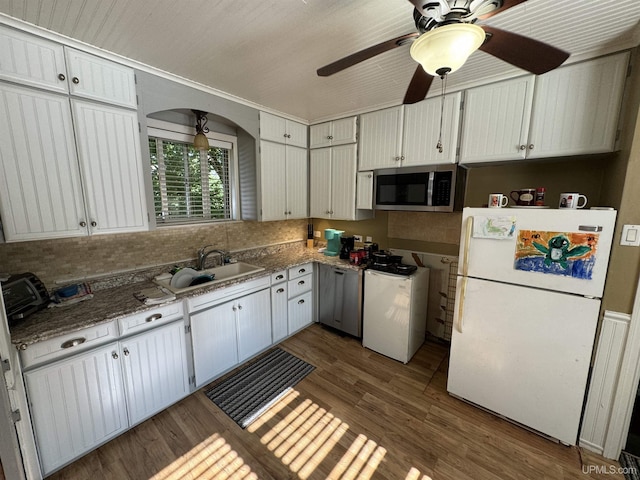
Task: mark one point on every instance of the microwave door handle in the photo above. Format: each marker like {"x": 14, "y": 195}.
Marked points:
{"x": 432, "y": 176}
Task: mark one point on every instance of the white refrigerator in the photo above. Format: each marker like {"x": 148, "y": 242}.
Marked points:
{"x": 527, "y": 306}
{"x": 394, "y": 316}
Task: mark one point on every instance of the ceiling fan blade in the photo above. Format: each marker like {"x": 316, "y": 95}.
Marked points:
{"x": 418, "y": 87}
{"x": 505, "y": 6}
{"x": 524, "y": 52}
{"x": 365, "y": 54}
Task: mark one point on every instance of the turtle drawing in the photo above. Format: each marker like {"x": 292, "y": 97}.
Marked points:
{"x": 558, "y": 250}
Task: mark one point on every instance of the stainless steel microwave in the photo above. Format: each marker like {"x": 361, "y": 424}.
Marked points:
{"x": 424, "y": 189}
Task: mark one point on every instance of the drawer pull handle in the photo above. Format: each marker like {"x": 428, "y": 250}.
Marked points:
{"x": 280, "y": 290}
{"x": 300, "y": 302}
{"x": 279, "y": 277}
{"x": 301, "y": 282}
{"x": 155, "y": 316}
{"x": 73, "y": 342}
{"x": 302, "y": 270}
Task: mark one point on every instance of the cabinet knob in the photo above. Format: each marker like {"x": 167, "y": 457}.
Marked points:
{"x": 397, "y": 159}
{"x": 523, "y": 147}
{"x": 239, "y": 307}
{"x": 114, "y": 355}
{"x": 402, "y": 157}
{"x": 22, "y": 347}
{"x": 289, "y": 212}
{"x": 280, "y": 290}
{"x": 531, "y": 146}
{"x": 83, "y": 223}
{"x": 151, "y": 318}
{"x": 75, "y": 80}
{"x": 330, "y": 137}
{"x": 126, "y": 351}
{"x": 94, "y": 223}
{"x": 61, "y": 77}
{"x": 234, "y": 308}
{"x": 288, "y": 136}
{"x": 331, "y": 212}
{"x": 369, "y": 176}
{"x": 327, "y": 212}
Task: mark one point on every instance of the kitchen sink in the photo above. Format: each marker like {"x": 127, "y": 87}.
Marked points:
{"x": 221, "y": 274}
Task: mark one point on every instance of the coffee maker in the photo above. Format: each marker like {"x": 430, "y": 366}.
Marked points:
{"x": 347, "y": 247}
{"x": 333, "y": 242}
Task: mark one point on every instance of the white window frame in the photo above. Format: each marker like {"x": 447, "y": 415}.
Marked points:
{"x": 184, "y": 133}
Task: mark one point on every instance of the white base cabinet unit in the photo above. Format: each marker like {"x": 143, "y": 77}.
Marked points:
{"x": 229, "y": 326}
{"x": 279, "y": 303}
{"x": 283, "y": 184}
{"x": 83, "y": 392}
{"x": 300, "y": 290}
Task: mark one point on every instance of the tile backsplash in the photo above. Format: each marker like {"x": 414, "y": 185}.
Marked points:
{"x": 426, "y": 226}
{"x": 81, "y": 257}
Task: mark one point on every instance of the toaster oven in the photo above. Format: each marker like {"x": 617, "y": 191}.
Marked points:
{"x": 23, "y": 294}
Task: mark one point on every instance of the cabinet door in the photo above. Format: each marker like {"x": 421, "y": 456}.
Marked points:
{"x": 214, "y": 341}
{"x": 155, "y": 370}
{"x": 320, "y": 183}
{"x": 343, "y": 131}
{"x": 422, "y": 128}
{"x": 76, "y": 404}
{"x": 254, "y": 323}
{"x": 320, "y": 135}
{"x": 100, "y": 79}
{"x": 496, "y": 121}
{"x": 40, "y": 194}
{"x": 297, "y": 173}
{"x": 300, "y": 312}
{"x": 109, "y": 150}
{"x": 380, "y": 139}
{"x": 343, "y": 182}
{"x": 575, "y": 108}
{"x": 296, "y": 134}
{"x": 364, "y": 191}
{"x": 279, "y": 327}
{"x": 273, "y": 128}
{"x": 31, "y": 60}
{"x": 273, "y": 181}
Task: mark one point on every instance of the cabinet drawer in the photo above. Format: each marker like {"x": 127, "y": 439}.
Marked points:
{"x": 300, "y": 285}
{"x": 277, "y": 277}
{"x": 300, "y": 270}
{"x": 150, "y": 318}
{"x": 72, "y": 343}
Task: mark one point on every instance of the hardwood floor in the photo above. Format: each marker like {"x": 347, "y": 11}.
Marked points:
{"x": 357, "y": 415}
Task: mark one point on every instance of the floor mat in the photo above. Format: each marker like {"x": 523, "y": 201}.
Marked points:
{"x": 630, "y": 466}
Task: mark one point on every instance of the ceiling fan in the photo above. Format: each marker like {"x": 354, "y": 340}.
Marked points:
{"x": 447, "y": 35}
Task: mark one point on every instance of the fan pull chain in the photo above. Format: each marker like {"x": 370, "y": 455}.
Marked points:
{"x": 443, "y": 90}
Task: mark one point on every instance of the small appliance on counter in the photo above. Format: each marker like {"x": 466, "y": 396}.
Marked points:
{"x": 333, "y": 242}
{"x": 23, "y": 295}
{"x": 347, "y": 247}
{"x": 386, "y": 262}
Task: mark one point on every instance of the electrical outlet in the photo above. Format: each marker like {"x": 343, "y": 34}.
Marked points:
{"x": 357, "y": 238}
{"x": 316, "y": 234}
{"x": 369, "y": 239}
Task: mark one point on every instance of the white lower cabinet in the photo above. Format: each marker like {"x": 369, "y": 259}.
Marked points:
{"x": 279, "y": 316}
{"x": 227, "y": 334}
{"x": 155, "y": 370}
{"x": 76, "y": 404}
{"x": 300, "y": 310}
{"x": 82, "y": 401}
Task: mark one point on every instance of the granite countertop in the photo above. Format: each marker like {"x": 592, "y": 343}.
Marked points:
{"x": 112, "y": 303}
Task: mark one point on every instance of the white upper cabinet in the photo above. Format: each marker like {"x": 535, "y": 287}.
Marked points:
{"x": 336, "y": 132}
{"x": 575, "y": 108}
{"x": 282, "y": 130}
{"x": 381, "y": 139}
{"x": 496, "y": 121}
{"x": 422, "y": 129}
{"x": 332, "y": 189}
{"x": 31, "y": 60}
{"x": 109, "y": 151}
{"x": 40, "y": 185}
{"x": 364, "y": 191}
{"x": 283, "y": 185}
{"x": 99, "y": 79}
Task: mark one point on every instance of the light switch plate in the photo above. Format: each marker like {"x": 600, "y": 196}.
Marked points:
{"x": 630, "y": 235}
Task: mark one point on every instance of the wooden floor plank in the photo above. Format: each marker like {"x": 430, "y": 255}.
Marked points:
{"x": 357, "y": 415}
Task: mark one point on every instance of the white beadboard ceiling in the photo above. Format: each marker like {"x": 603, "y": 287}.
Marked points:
{"x": 268, "y": 52}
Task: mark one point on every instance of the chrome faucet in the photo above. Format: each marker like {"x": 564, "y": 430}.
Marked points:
{"x": 203, "y": 253}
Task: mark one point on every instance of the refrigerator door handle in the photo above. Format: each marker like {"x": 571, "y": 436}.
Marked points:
{"x": 590, "y": 228}
{"x": 463, "y": 290}
{"x": 467, "y": 244}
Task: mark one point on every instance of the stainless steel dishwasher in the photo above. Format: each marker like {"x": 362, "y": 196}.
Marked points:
{"x": 340, "y": 299}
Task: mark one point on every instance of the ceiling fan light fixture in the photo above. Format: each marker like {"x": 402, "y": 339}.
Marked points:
{"x": 445, "y": 49}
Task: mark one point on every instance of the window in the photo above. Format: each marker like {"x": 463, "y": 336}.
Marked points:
{"x": 190, "y": 185}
